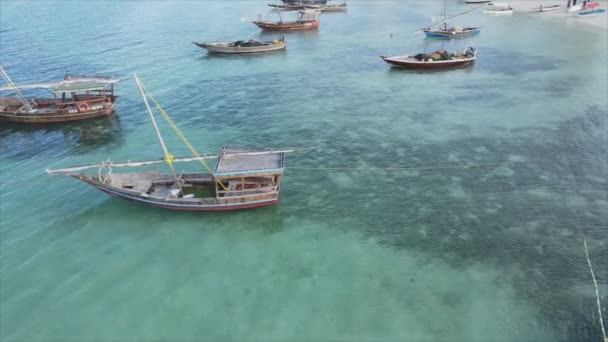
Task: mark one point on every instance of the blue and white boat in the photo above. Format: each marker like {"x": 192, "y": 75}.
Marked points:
{"x": 591, "y": 13}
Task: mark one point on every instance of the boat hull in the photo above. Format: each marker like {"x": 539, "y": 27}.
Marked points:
{"x": 287, "y": 7}
{"x": 51, "y": 117}
{"x": 210, "y": 204}
{"x": 287, "y": 26}
{"x": 591, "y": 13}
{"x": 187, "y": 207}
{"x": 241, "y": 49}
{"x": 452, "y": 34}
{"x": 476, "y": 1}
{"x": 412, "y": 64}
{"x": 546, "y": 9}
{"x": 501, "y": 12}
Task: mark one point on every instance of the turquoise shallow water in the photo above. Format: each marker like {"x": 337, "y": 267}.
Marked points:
{"x": 380, "y": 233}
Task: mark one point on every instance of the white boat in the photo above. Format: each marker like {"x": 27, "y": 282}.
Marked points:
{"x": 496, "y": 8}
{"x": 542, "y": 8}
{"x": 242, "y": 46}
{"x": 476, "y": 1}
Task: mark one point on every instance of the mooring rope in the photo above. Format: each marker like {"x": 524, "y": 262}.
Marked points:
{"x": 422, "y": 167}
{"x": 597, "y": 293}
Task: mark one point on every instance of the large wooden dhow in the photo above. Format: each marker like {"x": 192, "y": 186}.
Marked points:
{"x": 242, "y": 177}
{"x": 75, "y": 98}
{"x": 306, "y": 20}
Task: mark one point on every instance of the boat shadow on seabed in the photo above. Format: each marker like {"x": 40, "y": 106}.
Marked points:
{"x": 397, "y": 70}
{"x": 77, "y": 137}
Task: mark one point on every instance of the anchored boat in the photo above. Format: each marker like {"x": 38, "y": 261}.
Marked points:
{"x": 590, "y": 13}
{"x": 496, "y": 8}
{"x": 542, "y": 8}
{"x": 297, "y": 6}
{"x": 437, "y": 60}
{"x": 451, "y": 32}
{"x": 242, "y": 178}
{"x": 244, "y": 46}
{"x": 329, "y": 7}
{"x": 74, "y": 98}
{"x": 582, "y": 6}
{"x": 306, "y": 20}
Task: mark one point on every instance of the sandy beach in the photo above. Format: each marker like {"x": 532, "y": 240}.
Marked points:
{"x": 598, "y": 21}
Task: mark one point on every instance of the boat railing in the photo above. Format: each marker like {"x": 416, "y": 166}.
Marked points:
{"x": 246, "y": 192}
{"x": 88, "y": 99}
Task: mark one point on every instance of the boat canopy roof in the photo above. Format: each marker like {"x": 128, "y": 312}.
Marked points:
{"x": 73, "y": 84}
{"x": 234, "y": 161}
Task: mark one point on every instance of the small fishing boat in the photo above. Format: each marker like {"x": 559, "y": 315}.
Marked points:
{"x": 450, "y": 32}
{"x": 242, "y": 178}
{"x": 542, "y": 8}
{"x": 590, "y": 13}
{"x": 436, "y": 60}
{"x": 306, "y": 20}
{"x": 331, "y": 8}
{"x": 244, "y": 46}
{"x": 297, "y": 6}
{"x": 476, "y": 1}
{"x": 496, "y": 8}
{"x": 75, "y": 98}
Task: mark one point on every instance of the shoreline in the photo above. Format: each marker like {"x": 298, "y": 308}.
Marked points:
{"x": 595, "y": 22}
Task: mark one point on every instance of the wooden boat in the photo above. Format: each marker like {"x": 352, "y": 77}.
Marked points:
{"x": 242, "y": 178}
{"x": 542, "y": 8}
{"x": 74, "y": 98}
{"x": 496, "y": 8}
{"x": 329, "y": 8}
{"x": 306, "y": 20}
{"x": 430, "y": 61}
{"x": 305, "y": 2}
{"x": 590, "y": 13}
{"x": 297, "y": 6}
{"x": 242, "y": 46}
{"x": 450, "y": 32}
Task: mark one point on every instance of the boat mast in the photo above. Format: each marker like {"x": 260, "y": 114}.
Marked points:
{"x": 20, "y": 96}
{"x": 160, "y": 138}
{"x": 445, "y": 23}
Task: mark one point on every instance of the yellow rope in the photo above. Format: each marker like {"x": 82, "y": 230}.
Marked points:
{"x": 181, "y": 135}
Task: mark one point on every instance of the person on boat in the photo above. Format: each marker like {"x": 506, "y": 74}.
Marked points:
{"x": 470, "y": 52}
